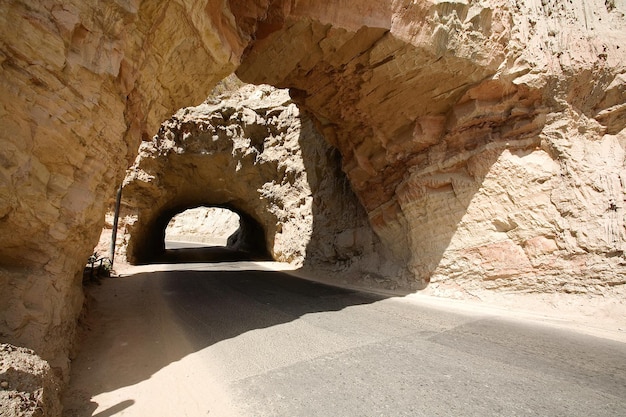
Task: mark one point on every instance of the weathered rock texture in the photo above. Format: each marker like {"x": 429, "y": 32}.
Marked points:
{"x": 81, "y": 83}
{"x": 29, "y": 387}
{"x": 253, "y": 152}
{"x": 485, "y": 138}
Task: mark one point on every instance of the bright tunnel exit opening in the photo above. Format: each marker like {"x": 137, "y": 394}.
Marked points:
{"x": 201, "y": 226}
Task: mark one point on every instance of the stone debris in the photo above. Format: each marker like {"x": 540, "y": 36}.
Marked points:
{"x": 29, "y": 387}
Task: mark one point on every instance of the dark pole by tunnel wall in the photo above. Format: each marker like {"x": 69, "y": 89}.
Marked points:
{"x": 118, "y": 201}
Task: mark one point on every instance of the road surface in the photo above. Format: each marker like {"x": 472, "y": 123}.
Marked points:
{"x": 239, "y": 340}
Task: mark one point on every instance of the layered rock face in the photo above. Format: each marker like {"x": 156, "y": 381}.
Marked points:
{"x": 485, "y": 139}
{"x": 81, "y": 83}
{"x": 253, "y": 152}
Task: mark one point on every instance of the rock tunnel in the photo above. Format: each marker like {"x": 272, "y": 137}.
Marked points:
{"x": 150, "y": 246}
{"x": 254, "y": 151}
{"x": 483, "y": 140}
{"x": 206, "y": 225}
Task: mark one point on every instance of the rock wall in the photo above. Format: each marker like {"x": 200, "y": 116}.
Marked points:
{"x": 485, "y": 138}
{"x": 81, "y": 83}
{"x": 29, "y": 387}
{"x": 253, "y": 151}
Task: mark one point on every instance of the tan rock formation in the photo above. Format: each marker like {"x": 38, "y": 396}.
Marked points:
{"x": 485, "y": 138}
{"x": 254, "y": 152}
{"x": 29, "y": 387}
{"x": 81, "y": 83}
{"x": 465, "y": 128}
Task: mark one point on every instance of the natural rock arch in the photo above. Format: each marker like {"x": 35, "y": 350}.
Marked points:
{"x": 436, "y": 107}
{"x": 253, "y": 151}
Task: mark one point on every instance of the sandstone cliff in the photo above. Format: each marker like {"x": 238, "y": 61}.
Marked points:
{"x": 208, "y": 225}
{"x": 484, "y": 138}
{"x": 81, "y": 83}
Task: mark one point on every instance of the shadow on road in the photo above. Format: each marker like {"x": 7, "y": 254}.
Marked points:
{"x": 141, "y": 323}
{"x": 214, "y": 306}
{"x": 111, "y": 411}
{"x": 209, "y": 254}
{"x": 162, "y": 341}
{"x": 192, "y": 252}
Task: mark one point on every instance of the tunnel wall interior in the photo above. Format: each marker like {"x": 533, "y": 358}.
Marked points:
{"x": 149, "y": 244}
{"x": 250, "y": 237}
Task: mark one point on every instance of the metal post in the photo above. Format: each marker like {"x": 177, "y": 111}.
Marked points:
{"x": 118, "y": 201}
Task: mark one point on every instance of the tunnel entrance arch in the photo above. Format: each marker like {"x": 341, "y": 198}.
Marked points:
{"x": 419, "y": 102}
{"x": 253, "y": 151}
{"x": 222, "y": 154}
{"x": 247, "y": 242}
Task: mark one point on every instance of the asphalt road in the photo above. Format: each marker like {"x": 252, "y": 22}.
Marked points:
{"x": 262, "y": 343}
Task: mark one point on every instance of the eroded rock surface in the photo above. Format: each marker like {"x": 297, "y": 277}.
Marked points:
{"x": 209, "y": 225}
{"x": 81, "y": 83}
{"x": 485, "y": 138}
{"x": 29, "y": 387}
{"x": 253, "y": 151}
